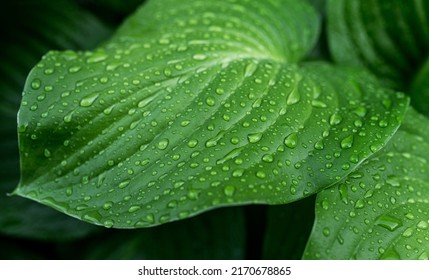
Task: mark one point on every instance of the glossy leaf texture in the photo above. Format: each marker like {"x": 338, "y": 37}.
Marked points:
{"x": 195, "y": 106}
{"x": 380, "y": 211}
{"x": 390, "y": 38}
{"x": 45, "y": 27}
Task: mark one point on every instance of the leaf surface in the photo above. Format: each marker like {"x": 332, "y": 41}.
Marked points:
{"x": 195, "y": 106}
{"x": 390, "y": 38}
{"x": 380, "y": 211}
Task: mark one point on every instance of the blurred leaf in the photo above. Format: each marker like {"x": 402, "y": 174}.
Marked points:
{"x": 29, "y": 29}
{"x": 288, "y": 229}
{"x": 219, "y": 234}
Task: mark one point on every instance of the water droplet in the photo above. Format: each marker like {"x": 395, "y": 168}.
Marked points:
{"x": 383, "y": 123}
{"x": 343, "y": 193}
{"x": 261, "y": 174}
{"x": 335, "y": 119}
{"x": 347, "y": 142}
{"x": 210, "y": 101}
{"x": 199, "y": 56}
{"x": 36, "y": 84}
{"x": 291, "y": 140}
{"x": 74, "y": 69}
{"x": 325, "y": 205}
{"x": 360, "y": 111}
{"x": 293, "y": 97}
{"x": 193, "y": 194}
{"x": 108, "y": 205}
{"x": 134, "y": 208}
{"x": 326, "y": 232}
{"x": 229, "y": 191}
{"x": 408, "y": 232}
{"x": 47, "y": 153}
{"x": 108, "y": 223}
{"x": 231, "y": 155}
{"x": 163, "y": 144}
{"x": 319, "y": 145}
{"x": 96, "y": 57}
{"x": 192, "y": 143}
{"x": 124, "y": 184}
{"x": 359, "y": 204}
{"x": 318, "y": 104}
{"x": 388, "y": 222}
{"x": 185, "y": 123}
{"x": 213, "y": 142}
{"x": 422, "y": 225}
{"x": 172, "y": 204}
{"x": 254, "y": 137}
{"x": 268, "y": 158}
{"x": 89, "y": 100}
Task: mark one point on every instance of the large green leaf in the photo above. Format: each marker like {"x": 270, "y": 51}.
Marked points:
{"x": 26, "y": 35}
{"x": 193, "y": 106}
{"x": 391, "y": 38}
{"x": 381, "y": 210}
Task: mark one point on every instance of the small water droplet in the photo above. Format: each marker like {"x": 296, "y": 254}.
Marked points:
{"x": 124, "y": 184}
{"x": 96, "y": 57}
{"x": 319, "y": 145}
{"x": 163, "y": 144}
{"x": 210, "y": 101}
{"x": 229, "y": 191}
{"x": 36, "y": 84}
{"x": 108, "y": 223}
{"x": 47, "y": 153}
{"x": 261, "y": 174}
{"x": 199, "y": 56}
{"x": 134, "y": 208}
{"x": 192, "y": 143}
{"x": 318, "y": 104}
{"x": 359, "y": 204}
{"x": 326, "y": 232}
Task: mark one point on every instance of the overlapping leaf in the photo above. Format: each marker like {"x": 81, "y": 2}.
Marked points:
{"x": 391, "y": 38}
{"x": 193, "y": 106}
{"x": 380, "y": 211}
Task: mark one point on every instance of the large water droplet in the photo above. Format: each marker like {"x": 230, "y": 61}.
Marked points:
{"x": 254, "y": 137}
{"x": 163, "y": 144}
{"x": 291, "y": 140}
{"x": 293, "y": 97}
{"x": 229, "y": 191}
{"x": 388, "y": 222}
{"x": 347, "y": 142}
{"x": 89, "y": 99}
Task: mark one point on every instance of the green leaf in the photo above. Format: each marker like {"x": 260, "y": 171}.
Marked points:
{"x": 195, "y": 106}
{"x": 390, "y": 38}
{"x": 46, "y": 26}
{"x": 381, "y": 210}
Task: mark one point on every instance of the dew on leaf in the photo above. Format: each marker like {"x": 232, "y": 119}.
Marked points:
{"x": 291, "y": 141}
